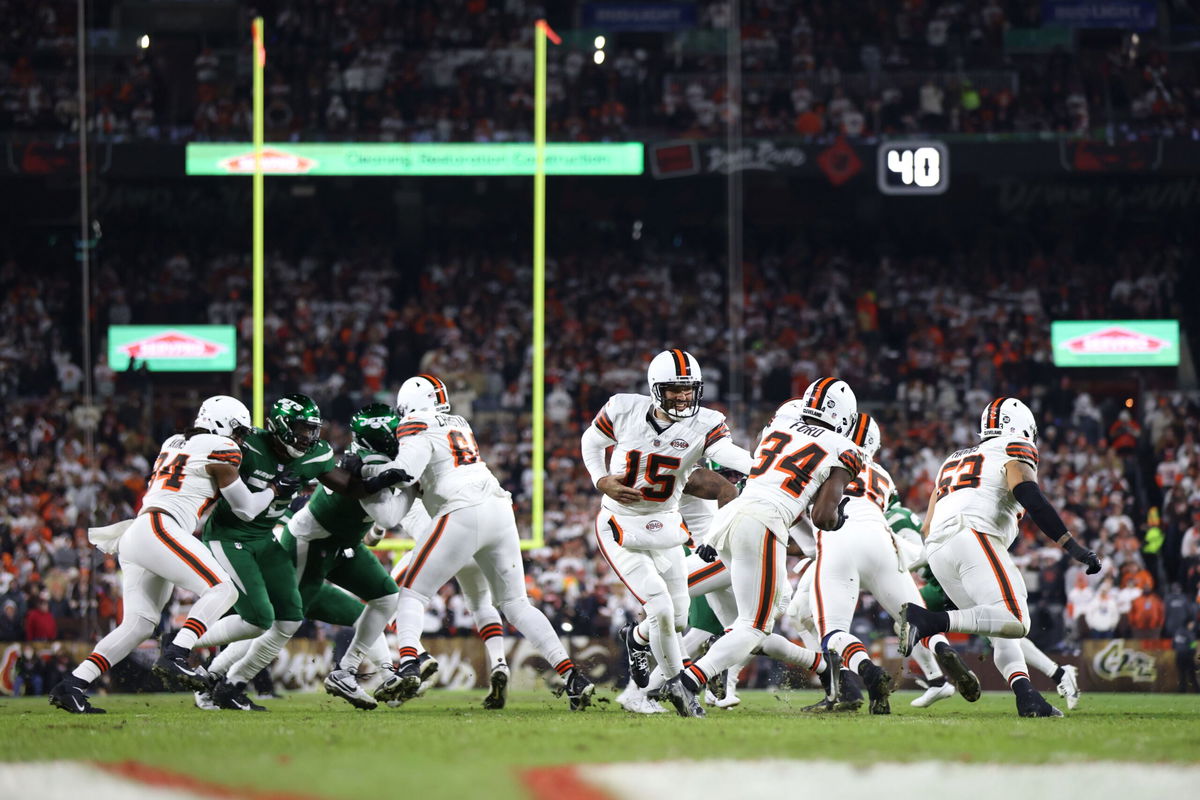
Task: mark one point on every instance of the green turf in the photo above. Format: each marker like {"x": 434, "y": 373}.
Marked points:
{"x": 444, "y": 745}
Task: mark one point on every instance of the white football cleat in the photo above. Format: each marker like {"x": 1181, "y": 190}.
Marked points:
{"x": 635, "y": 700}
{"x": 933, "y": 694}
{"x": 1068, "y": 687}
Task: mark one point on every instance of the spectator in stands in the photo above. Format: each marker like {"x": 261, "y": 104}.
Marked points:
{"x": 1184, "y": 644}
{"x": 27, "y": 674}
{"x": 1146, "y": 615}
{"x": 39, "y": 622}
{"x": 1102, "y": 613}
{"x": 12, "y": 628}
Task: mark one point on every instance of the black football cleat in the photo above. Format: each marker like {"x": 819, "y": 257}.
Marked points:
{"x": 402, "y": 684}
{"x": 879, "y": 686}
{"x": 498, "y": 695}
{"x": 173, "y": 667}
{"x": 579, "y": 690}
{"x": 232, "y": 697}
{"x": 69, "y": 696}
{"x": 639, "y": 658}
{"x": 682, "y": 698}
{"x": 914, "y": 624}
{"x": 1030, "y": 702}
{"x": 956, "y": 671}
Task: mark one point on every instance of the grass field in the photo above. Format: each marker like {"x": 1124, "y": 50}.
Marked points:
{"x": 446, "y": 746}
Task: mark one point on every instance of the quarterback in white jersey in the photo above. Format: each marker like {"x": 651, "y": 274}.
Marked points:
{"x": 656, "y": 442}
{"x": 803, "y": 460}
{"x": 972, "y": 520}
{"x": 862, "y": 556}
{"x": 157, "y": 550}
{"x": 472, "y": 519}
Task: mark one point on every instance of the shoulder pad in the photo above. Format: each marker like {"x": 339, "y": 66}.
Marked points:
{"x": 417, "y": 422}
{"x": 1021, "y": 450}
{"x": 624, "y": 403}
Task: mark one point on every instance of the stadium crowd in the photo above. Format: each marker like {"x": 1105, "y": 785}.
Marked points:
{"x": 460, "y": 71}
{"x": 926, "y": 347}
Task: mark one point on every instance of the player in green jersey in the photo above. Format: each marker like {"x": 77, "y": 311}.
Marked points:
{"x": 290, "y": 453}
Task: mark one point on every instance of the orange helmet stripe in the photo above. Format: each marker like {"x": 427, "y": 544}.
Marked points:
{"x": 819, "y": 392}
{"x": 439, "y": 388}
{"x": 860, "y": 431}
{"x": 681, "y": 363}
{"x": 994, "y": 412}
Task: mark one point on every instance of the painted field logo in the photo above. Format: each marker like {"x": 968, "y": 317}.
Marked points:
{"x": 172, "y": 344}
{"x": 1115, "y": 340}
{"x": 1115, "y": 661}
{"x": 274, "y": 162}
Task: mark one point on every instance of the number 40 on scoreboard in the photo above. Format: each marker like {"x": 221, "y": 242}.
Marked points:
{"x": 913, "y": 168}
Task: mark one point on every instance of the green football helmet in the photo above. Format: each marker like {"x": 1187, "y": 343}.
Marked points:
{"x": 295, "y": 422}
{"x": 374, "y": 428}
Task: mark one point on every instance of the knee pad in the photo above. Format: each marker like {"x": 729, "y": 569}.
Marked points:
{"x": 225, "y": 592}
{"x": 511, "y": 609}
{"x": 387, "y": 603}
{"x": 287, "y": 627}
{"x": 660, "y": 612}
{"x": 422, "y": 598}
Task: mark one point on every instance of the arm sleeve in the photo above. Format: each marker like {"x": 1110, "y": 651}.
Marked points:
{"x": 729, "y": 455}
{"x": 388, "y": 507}
{"x": 1030, "y": 496}
{"x": 593, "y": 443}
{"x": 245, "y": 504}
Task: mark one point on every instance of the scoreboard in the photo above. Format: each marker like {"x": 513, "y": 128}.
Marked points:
{"x": 913, "y": 167}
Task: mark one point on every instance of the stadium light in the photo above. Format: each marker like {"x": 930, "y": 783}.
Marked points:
{"x": 144, "y": 41}
{"x": 598, "y": 57}
{"x": 599, "y": 42}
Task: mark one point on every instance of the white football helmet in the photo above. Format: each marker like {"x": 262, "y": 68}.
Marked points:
{"x": 422, "y": 393}
{"x": 223, "y": 415}
{"x": 789, "y": 410}
{"x": 1007, "y": 416}
{"x": 866, "y": 435}
{"x": 831, "y": 401}
{"x": 675, "y": 368}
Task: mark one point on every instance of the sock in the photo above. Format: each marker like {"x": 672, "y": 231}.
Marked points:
{"x": 192, "y": 630}
{"x": 564, "y": 668}
{"x": 228, "y": 629}
{"x": 379, "y": 653}
{"x": 230, "y": 654}
{"x": 533, "y": 625}
{"x": 780, "y": 649}
{"x": 985, "y": 620}
{"x": 851, "y": 649}
{"x": 367, "y": 630}
{"x": 1019, "y": 682}
{"x": 693, "y": 639}
{"x": 409, "y": 612}
{"x": 209, "y": 607}
{"x": 263, "y": 651}
{"x": 641, "y": 633}
{"x": 491, "y": 630}
{"x": 657, "y": 679}
{"x": 1038, "y": 660}
{"x": 693, "y": 677}
{"x": 926, "y": 661}
{"x": 113, "y": 648}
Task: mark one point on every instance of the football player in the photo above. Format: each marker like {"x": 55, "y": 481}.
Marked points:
{"x": 478, "y": 597}
{"x": 863, "y": 556}
{"x": 656, "y": 441}
{"x": 472, "y": 520}
{"x": 803, "y": 462}
{"x": 971, "y": 522}
{"x": 290, "y": 453}
{"x": 158, "y": 552}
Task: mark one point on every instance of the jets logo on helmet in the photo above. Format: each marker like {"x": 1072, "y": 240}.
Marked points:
{"x": 295, "y": 422}
{"x": 676, "y": 371}
{"x": 866, "y": 435}
{"x": 1007, "y": 416}
{"x": 373, "y": 427}
{"x": 223, "y": 415}
{"x": 422, "y": 393}
{"x": 831, "y": 401}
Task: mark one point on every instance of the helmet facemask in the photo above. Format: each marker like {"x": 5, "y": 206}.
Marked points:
{"x": 295, "y": 422}
{"x": 373, "y": 428}
{"x": 678, "y": 409}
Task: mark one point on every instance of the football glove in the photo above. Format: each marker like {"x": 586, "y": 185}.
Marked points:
{"x": 707, "y": 553}
{"x": 841, "y": 520}
{"x": 389, "y": 477}
{"x": 287, "y": 484}
{"x": 1086, "y": 557}
{"x": 352, "y": 463}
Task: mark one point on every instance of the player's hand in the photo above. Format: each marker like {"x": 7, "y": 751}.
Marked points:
{"x": 1091, "y": 561}
{"x": 389, "y": 477}
{"x": 611, "y": 485}
{"x": 287, "y": 484}
{"x": 841, "y": 509}
{"x": 352, "y": 463}
{"x": 707, "y": 553}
